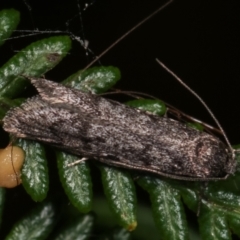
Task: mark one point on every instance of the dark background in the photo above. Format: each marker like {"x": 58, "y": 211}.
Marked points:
{"x": 198, "y": 40}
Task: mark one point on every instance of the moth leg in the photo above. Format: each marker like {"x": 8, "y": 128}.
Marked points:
{"x": 77, "y": 162}
{"x": 201, "y": 196}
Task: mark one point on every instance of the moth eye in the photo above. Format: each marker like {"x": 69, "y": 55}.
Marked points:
{"x": 11, "y": 161}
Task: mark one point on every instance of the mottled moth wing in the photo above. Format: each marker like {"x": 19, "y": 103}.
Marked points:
{"x": 93, "y": 127}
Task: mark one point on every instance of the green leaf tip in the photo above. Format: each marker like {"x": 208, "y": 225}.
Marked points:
{"x": 167, "y": 208}
{"x": 95, "y": 79}
{"x": 34, "y": 60}
{"x": 76, "y": 181}
{"x": 155, "y": 106}
{"x": 79, "y": 228}
{"x": 37, "y": 224}
{"x": 9, "y": 19}
{"x": 35, "y": 177}
{"x": 120, "y": 192}
{"x": 197, "y": 126}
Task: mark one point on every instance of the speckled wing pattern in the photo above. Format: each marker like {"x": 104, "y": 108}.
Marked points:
{"x": 91, "y": 126}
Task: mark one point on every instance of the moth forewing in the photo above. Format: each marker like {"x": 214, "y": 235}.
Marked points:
{"x": 93, "y": 127}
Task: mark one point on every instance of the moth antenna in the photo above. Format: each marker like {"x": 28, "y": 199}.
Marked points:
{"x": 201, "y": 101}
{"x": 133, "y": 94}
{"x": 127, "y": 33}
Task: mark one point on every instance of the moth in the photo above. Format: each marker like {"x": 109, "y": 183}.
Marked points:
{"x": 93, "y": 127}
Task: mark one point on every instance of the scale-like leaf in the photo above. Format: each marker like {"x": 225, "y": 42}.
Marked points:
{"x": 79, "y": 229}
{"x": 117, "y": 233}
{"x": 35, "y": 171}
{"x": 34, "y": 60}
{"x": 96, "y": 79}
{"x": 213, "y": 223}
{"x": 9, "y": 19}
{"x": 120, "y": 192}
{"x": 76, "y": 181}
{"x": 120, "y": 234}
{"x": 37, "y": 224}
{"x": 155, "y": 106}
{"x": 233, "y": 219}
{"x": 167, "y": 208}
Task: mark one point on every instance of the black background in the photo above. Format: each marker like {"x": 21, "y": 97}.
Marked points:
{"x": 198, "y": 40}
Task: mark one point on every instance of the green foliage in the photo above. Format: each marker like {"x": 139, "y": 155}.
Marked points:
{"x": 155, "y": 106}
{"x": 167, "y": 208}
{"x": 218, "y": 203}
{"x": 95, "y": 79}
{"x": 37, "y": 224}
{"x": 197, "y": 126}
{"x": 34, "y": 170}
{"x": 120, "y": 193}
{"x": 9, "y": 19}
{"x": 35, "y": 60}
{"x": 76, "y": 181}
{"x": 78, "y": 228}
